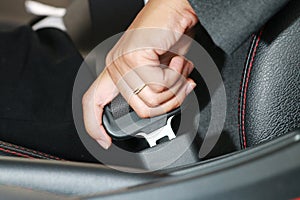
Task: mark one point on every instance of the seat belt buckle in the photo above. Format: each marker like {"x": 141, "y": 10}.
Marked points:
{"x": 165, "y": 131}
{"x": 131, "y": 125}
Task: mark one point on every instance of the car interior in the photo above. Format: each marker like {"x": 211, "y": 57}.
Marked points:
{"x": 256, "y": 155}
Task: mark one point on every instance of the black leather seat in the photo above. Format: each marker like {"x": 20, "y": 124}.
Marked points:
{"x": 269, "y": 103}
{"x": 7, "y": 149}
{"x": 269, "y": 107}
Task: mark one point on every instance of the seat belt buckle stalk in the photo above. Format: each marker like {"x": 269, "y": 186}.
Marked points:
{"x": 131, "y": 125}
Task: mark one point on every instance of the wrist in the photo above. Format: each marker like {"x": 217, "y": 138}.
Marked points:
{"x": 176, "y": 15}
{"x": 180, "y": 11}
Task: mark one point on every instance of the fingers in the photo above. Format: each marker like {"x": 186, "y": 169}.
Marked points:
{"x": 160, "y": 77}
{"x": 187, "y": 69}
{"x": 101, "y": 92}
{"x": 131, "y": 81}
{"x": 144, "y": 111}
{"x": 169, "y": 76}
{"x": 147, "y": 103}
{"x": 177, "y": 100}
{"x": 159, "y": 72}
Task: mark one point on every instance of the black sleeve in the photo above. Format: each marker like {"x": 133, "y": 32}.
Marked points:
{"x": 230, "y": 22}
{"x": 112, "y": 17}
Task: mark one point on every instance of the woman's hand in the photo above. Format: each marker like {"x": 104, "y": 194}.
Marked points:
{"x": 148, "y": 59}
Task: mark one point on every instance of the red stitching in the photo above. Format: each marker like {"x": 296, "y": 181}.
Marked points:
{"x": 16, "y": 153}
{"x": 31, "y": 151}
{"x": 239, "y": 103}
{"x": 242, "y": 83}
{"x": 239, "y": 99}
{"x": 246, "y": 87}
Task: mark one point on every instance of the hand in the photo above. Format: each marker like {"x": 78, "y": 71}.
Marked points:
{"x": 137, "y": 59}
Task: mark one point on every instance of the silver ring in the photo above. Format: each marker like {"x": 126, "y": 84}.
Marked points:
{"x": 138, "y": 90}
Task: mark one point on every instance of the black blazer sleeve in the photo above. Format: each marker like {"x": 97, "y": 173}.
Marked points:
{"x": 112, "y": 17}
{"x": 230, "y": 22}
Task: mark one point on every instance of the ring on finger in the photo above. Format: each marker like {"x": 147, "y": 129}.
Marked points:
{"x": 138, "y": 90}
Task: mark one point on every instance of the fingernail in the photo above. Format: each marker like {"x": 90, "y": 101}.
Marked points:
{"x": 103, "y": 144}
{"x": 190, "y": 88}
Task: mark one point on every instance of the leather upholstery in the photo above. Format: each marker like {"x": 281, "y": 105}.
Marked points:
{"x": 67, "y": 178}
{"x": 269, "y": 104}
{"x": 7, "y": 149}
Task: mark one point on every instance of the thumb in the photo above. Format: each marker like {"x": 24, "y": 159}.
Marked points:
{"x": 100, "y": 93}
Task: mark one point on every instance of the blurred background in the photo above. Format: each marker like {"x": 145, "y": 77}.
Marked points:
{"x": 13, "y": 12}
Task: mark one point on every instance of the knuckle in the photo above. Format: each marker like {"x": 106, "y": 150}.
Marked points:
{"x": 170, "y": 81}
{"x": 151, "y": 99}
{"x": 152, "y": 102}
{"x": 109, "y": 58}
{"x": 143, "y": 113}
{"x": 157, "y": 88}
{"x": 176, "y": 104}
{"x": 165, "y": 81}
{"x": 110, "y": 69}
{"x": 129, "y": 58}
